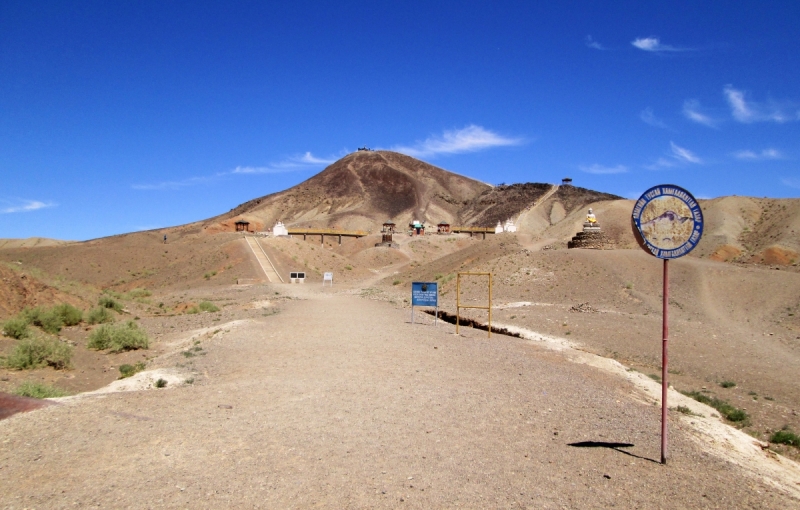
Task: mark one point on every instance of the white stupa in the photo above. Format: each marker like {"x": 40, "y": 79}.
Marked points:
{"x": 279, "y": 229}
{"x": 509, "y": 226}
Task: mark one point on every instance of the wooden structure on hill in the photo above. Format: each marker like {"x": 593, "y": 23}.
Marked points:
{"x": 473, "y": 230}
{"x": 242, "y": 226}
{"x": 322, "y": 232}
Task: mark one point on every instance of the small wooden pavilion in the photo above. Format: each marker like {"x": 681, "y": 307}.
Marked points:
{"x": 443, "y": 228}
{"x": 242, "y": 226}
{"x": 566, "y": 181}
{"x": 388, "y": 227}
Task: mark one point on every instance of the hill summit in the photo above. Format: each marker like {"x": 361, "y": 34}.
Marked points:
{"x": 365, "y": 188}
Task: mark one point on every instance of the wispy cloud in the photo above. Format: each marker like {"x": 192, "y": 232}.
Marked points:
{"x": 182, "y": 183}
{"x": 691, "y": 110}
{"x": 764, "y": 154}
{"x": 661, "y": 163}
{"x": 684, "y": 155}
{"x": 469, "y": 139}
{"x": 18, "y": 206}
{"x": 653, "y": 44}
{"x": 648, "y": 117}
{"x": 749, "y": 111}
{"x": 603, "y": 170}
{"x": 591, "y": 43}
{"x": 791, "y": 182}
{"x": 291, "y": 164}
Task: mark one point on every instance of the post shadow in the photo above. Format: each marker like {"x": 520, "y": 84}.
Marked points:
{"x": 612, "y": 446}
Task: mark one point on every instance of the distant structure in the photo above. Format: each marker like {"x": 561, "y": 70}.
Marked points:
{"x": 566, "y": 181}
{"x": 592, "y": 236}
{"x": 388, "y": 227}
{"x": 507, "y": 227}
{"x": 417, "y": 228}
{"x": 443, "y": 228}
{"x": 387, "y": 233}
{"x": 242, "y": 226}
{"x": 364, "y": 148}
{"x": 279, "y": 229}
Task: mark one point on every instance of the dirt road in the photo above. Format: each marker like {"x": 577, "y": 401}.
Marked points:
{"x": 338, "y": 401}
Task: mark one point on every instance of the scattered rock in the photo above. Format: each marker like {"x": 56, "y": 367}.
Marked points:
{"x": 583, "y": 308}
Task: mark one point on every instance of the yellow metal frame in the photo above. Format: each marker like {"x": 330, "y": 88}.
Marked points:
{"x": 459, "y": 306}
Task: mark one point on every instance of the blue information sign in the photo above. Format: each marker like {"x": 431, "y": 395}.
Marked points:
{"x": 667, "y": 221}
{"x": 424, "y": 294}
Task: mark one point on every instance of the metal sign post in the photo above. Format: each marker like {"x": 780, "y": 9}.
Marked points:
{"x": 667, "y": 223}
{"x": 425, "y": 294}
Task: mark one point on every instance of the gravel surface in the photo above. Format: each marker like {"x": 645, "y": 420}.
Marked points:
{"x": 339, "y": 401}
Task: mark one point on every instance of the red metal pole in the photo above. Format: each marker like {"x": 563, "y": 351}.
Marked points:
{"x": 664, "y": 363}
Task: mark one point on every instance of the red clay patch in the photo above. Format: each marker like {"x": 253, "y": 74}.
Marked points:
{"x": 12, "y": 404}
{"x": 725, "y": 252}
{"x": 777, "y": 255}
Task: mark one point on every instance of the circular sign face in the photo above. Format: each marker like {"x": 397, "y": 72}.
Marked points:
{"x": 667, "y": 221}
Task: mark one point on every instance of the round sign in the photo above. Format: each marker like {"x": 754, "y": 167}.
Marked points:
{"x": 667, "y": 221}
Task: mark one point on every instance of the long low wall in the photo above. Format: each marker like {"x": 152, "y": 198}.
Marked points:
{"x": 327, "y": 232}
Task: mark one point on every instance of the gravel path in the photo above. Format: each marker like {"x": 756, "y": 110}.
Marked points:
{"x": 340, "y": 402}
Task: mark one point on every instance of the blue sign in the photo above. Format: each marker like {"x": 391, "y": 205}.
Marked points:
{"x": 667, "y": 221}
{"x": 424, "y": 294}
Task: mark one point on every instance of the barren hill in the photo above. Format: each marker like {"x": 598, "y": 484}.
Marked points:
{"x": 359, "y": 191}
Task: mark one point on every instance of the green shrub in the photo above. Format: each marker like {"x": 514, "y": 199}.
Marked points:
{"x": 38, "y": 390}
{"x": 70, "y": 316}
{"x": 118, "y": 337}
{"x": 49, "y": 320}
{"x": 785, "y": 436}
{"x": 727, "y": 410}
{"x": 99, "y": 315}
{"x": 161, "y": 383}
{"x": 38, "y": 351}
{"x": 396, "y": 282}
{"x": 139, "y": 293}
{"x": 129, "y": 370}
{"x": 16, "y": 327}
{"x": 110, "y": 302}
{"x": 727, "y": 384}
{"x": 208, "y": 306}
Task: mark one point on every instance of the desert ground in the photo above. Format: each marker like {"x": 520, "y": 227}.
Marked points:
{"x": 299, "y": 395}
{"x": 302, "y": 395}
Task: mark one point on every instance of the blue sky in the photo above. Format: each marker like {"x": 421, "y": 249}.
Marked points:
{"x": 121, "y": 116}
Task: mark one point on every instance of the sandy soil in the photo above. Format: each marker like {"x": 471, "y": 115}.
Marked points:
{"x": 328, "y": 399}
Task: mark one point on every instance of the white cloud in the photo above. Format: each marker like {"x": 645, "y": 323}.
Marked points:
{"x": 648, "y": 117}
{"x": 661, "y": 163}
{"x": 764, "y": 154}
{"x": 791, "y": 182}
{"x": 191, "y": 181}
{"x": 691, "y": 110}
{"x": 469, "y": 139}
{"x": 749, "y": 111}
{"x": 603, "y": 170}
{"x": 653, "y": 44}
{"x": 684, "y": 155}
{"x": 291, "y": 164}
{"x": 16, "y": 206}
{"x": 591, "y": 43}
